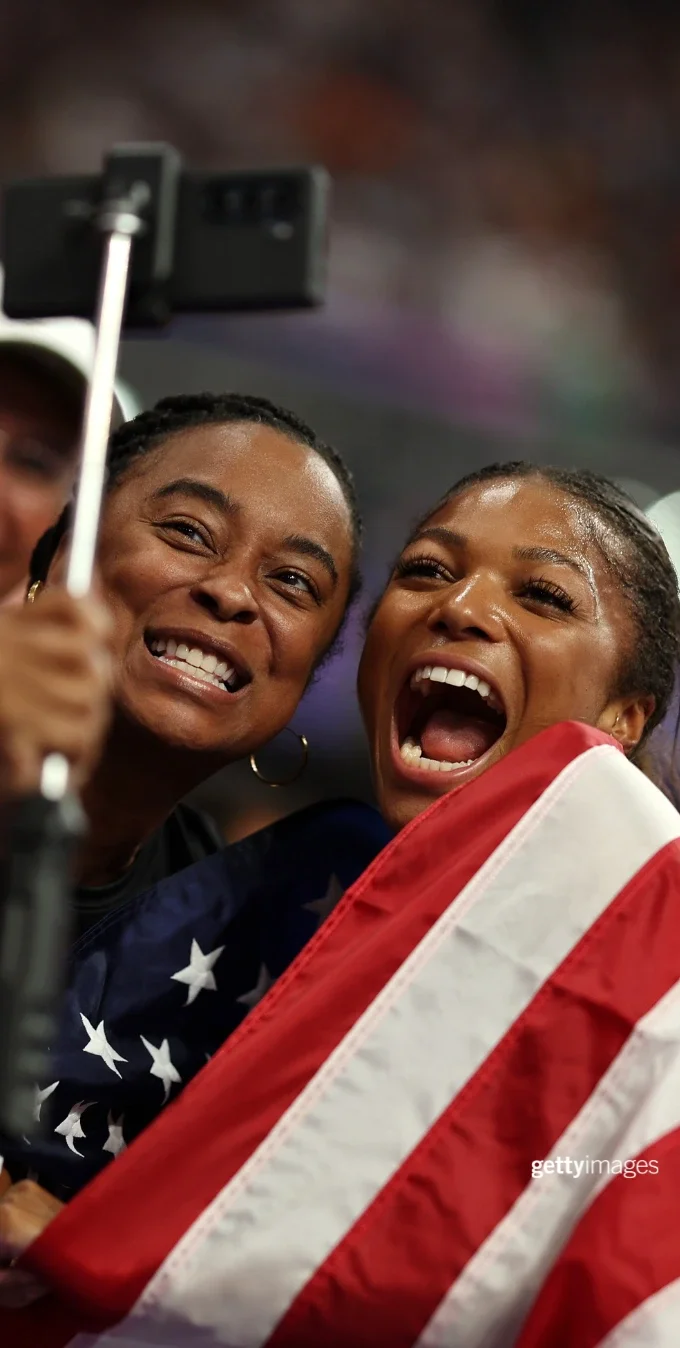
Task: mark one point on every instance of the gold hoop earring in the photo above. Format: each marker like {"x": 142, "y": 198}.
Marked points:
{"x": 34, "y": 591}
{"x": 288, "y": 781}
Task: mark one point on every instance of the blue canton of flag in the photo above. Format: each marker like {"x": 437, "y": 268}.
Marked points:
{"x": 158, "y": 985}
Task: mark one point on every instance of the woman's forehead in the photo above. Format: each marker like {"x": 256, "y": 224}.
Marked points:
{"x": 235, "y": 456}
{"x": 261, "y": 471}
{"x": 519, "y": 512}
{"x": 233, "y": 449}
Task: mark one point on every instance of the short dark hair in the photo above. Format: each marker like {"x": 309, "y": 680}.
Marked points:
{"x": 172, "y": 415}
{"x": 645, "y": 571}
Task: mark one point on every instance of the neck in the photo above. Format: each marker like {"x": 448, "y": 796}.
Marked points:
{"x": 136, "y": 785}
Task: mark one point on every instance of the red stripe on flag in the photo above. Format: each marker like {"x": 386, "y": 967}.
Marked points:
{"x": 624, "y": 1250}
{"x": 107, "y": 1244}
{"x": 406, "y": 1250}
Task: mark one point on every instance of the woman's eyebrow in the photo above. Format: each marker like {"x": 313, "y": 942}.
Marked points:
{"x": 308, "y": 548}
{"x": 450, "y": 539}
{"x": 550, "y": 555}
{"x": 202, "y": 491}
{"x": 439, "y": 534}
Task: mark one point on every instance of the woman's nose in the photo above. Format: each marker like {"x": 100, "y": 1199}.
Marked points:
{"x": 469, "y": 610}
{"x": 227, "y": 596}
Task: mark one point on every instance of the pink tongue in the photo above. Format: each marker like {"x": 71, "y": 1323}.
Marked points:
{"x": 455, "y": 739}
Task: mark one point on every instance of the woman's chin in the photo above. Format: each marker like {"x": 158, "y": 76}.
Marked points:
{"x": 168, "y": 724}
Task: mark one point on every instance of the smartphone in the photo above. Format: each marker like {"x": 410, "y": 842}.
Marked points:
{"x": 245, "y": 240}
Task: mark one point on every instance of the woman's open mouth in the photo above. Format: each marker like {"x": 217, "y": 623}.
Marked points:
{"x": 446, "y": 720}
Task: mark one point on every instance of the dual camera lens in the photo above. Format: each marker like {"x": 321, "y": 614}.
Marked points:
{"x": 252, "y": 202}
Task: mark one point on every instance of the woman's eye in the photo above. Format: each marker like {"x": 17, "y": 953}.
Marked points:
{"x": 35, "y": 460}
{"x": 548, "y": 592}
{"x": 425, "y": 567}
{"x": 189, "y": 531}
{"x": 296, "y": 581}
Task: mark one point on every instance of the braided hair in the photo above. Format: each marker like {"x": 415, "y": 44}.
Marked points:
{"x": 170, "y": 416}
{"x": 644, "y": 570}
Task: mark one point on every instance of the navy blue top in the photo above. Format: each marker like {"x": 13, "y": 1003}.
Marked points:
{"x": 159, "y": 983}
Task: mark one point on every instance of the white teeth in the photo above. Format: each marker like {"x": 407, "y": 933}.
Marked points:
{"x": 411, "y": 751}
{"x": 427, "y": 675}
{"x": 196, "y": 672}
{"x": 413, "y": 754}
{"x": 204, "y": 664}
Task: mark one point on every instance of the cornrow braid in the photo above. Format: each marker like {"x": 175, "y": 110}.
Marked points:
{"x": 645, "y": 571}
{"x": 172, "y": 415}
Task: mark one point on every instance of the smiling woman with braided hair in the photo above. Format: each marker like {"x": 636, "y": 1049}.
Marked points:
{"x": 226, "y": 521}
{"x": 227, "y": 561}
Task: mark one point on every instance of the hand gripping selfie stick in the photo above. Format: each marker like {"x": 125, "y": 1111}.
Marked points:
{"x": 139, "y": 197}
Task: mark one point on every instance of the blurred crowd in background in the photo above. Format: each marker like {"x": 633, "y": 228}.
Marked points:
{"x": 507, "y": 168}
{"x": 505, "y": 244}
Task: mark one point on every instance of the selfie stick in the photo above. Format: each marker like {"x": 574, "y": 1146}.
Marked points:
{"x": 140, "y": 190}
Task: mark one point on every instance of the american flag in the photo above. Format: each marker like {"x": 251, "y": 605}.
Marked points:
{"x": 157, "y": 987}
{"x": 355, "y": 1166}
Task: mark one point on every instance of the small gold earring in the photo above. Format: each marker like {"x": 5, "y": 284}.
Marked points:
{"x": 34, "y": 591}
{"x": 288, "y": 781}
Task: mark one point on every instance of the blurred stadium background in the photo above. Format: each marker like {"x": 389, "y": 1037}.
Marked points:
{"x": 505, "y": 251}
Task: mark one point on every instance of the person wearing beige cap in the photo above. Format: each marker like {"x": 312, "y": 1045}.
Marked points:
{"x": 44, "y": 368}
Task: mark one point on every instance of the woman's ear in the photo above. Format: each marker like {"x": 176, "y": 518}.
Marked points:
{"x": 625, "y": 719}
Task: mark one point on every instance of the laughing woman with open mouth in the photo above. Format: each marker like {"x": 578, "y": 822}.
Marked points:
{"x": 527, "y": 597}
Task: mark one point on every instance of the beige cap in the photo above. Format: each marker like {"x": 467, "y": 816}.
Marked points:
{"x": 66, "y": 346}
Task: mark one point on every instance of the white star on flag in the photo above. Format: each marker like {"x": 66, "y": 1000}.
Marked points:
{"x": 323, "y": 907}
{"x": 71, "y": 1126}
{"x": 41, "y": 1097}
{"x": 264, "y": 982}
{"x": 100, "y": 1046}
{"x": 115, "y": 1142}
{"x": 162, "y": 1065}
{"x": 199, "y": 971}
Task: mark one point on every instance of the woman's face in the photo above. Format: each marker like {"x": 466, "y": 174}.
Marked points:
{"x": 503, "y": 617}
{"x": 39, "y": 428}
{"x": 225, "y": 560}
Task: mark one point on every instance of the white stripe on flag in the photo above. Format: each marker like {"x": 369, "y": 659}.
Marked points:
{"x": 242, "y": 1263}
{"x": 635, "y": 1103}
{"x": 653, "y": 1324}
